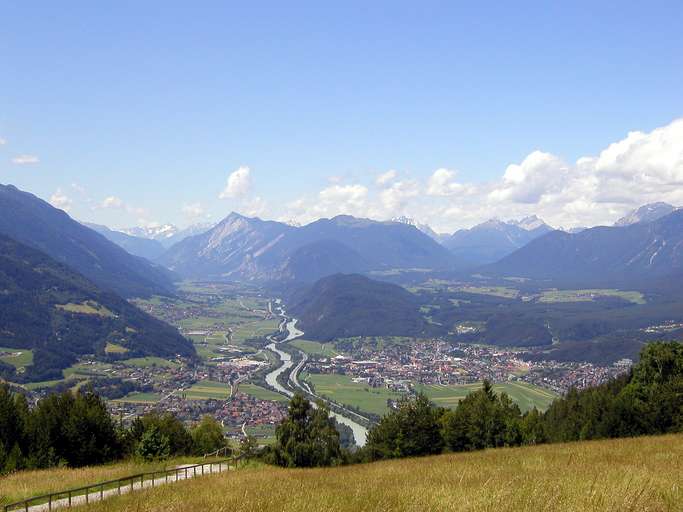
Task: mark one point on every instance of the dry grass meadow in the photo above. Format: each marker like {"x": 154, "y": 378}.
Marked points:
{"x": 642, "y": 474}
{"x": 24, "y": 484}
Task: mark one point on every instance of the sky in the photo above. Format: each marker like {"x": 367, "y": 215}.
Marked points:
{"x": 140, "y": 113}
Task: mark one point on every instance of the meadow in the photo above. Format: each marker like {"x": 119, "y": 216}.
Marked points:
{"x": 343, "y": 390}
{"x": 17, "y": 357}
{"x": 643, "y": 474}
{"x": 261, "y": 393}
{"x": 24, "y": 484}
{"x": 589, "y": 295}
{"x": 206, "y": 390}
{"x": 315, "y": 348}
{"x": 526, "y": 396}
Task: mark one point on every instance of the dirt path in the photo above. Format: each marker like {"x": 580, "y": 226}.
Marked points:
{"x": 183, "y": 473}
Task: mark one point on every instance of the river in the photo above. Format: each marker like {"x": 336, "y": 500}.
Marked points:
{"x": 360, "y": 433}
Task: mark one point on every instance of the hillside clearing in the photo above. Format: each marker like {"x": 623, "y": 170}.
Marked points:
{"x": 644, "y": 474}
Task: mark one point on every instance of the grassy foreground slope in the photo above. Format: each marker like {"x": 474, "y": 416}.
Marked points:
{"x": 24, "y": 484}
{"x": 644, "y": 474}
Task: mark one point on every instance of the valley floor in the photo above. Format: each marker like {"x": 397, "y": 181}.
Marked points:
{"x": 643, "y": 474}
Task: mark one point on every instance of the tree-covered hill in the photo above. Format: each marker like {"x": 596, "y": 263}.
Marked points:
{"x": 58, "y": 314}
{"x": 345, "y": 305}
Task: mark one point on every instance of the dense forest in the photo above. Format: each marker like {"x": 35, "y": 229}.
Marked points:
{"x": 75, "y": 429}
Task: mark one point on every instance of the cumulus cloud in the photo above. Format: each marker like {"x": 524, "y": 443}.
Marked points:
{"x": 60, "y": 200}
{"x": 396, "y": 196}
{"x": 112, "y": 202}
{"x": 238, "y": 185}
{"x": 193, "y": 211}
{"x": 641, "y": 168}
{"x": 386, "y": 178}
{"x": 442, "y": 183}
{"x": 25, "y": 160}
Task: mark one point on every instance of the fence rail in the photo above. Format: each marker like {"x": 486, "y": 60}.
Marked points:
{"x": 65, "y": 498}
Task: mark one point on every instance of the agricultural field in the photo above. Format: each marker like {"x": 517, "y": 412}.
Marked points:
{"x": 139, "y": 398}
{"x": 643, "y": 474}
{"x": 218, "y": 318}
{"x": 589, "y": 295}
{"x": 17, "y": 357}
{"x": 495, "y": 291}
{"x": 524, "y": 395}
{"x": 145, "y": 362}
{"x": 343, "y": 390}
{"x": 315, "y": 348}
{"x": 86, "y": 369}
{"x": 207, "y": 390}
{"x": 89, "y": 307}
{"x": 261, "y": 393}
{"x": 113, "y": 348}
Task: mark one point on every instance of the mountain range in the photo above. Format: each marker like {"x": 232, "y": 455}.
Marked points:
{"x": 647, "y": 213}
{"x": 492, "y": 240}
{"x": 48, "y": 308}
{"x": 167, "y": 234}
{"x": 249, "y": 248}
{"x": 34, "y": 222}
{"x": 641, "y": 253}
{"x": 135, "y": 245}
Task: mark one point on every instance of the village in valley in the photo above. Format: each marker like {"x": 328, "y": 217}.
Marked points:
{"x": 231, "y": 325}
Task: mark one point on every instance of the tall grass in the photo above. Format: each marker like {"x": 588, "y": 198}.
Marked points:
{"x": 643, "y": 474}
{"x": 24, "y": 484}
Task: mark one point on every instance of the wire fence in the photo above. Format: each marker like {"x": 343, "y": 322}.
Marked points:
{"x": 100, "y": 490}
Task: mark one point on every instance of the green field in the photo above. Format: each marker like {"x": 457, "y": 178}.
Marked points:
{"x": 31, "y": 386}
{"x": 113, "y": 348}
{"x": 89, "y": 307}
{"x": 145, "y": 362}
{"x": 588, "y": 295}
{"x": 85, "y": 369}
{"x": 207, "y": 390}
{"x": 17, "y": 357}
{"x": 341, "y": 389}
{"x": 261, "y": 393}
{"x": 495, "y": 291}
{"x": 315, "y": 348}
{"x": 139, "y": 398}
{"x": 524, "y": 395}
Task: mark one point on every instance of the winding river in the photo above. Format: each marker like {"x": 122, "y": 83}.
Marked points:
{"x": 360, "y": 433}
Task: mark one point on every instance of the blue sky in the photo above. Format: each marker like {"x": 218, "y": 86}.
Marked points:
{"x": 153, "y": 105}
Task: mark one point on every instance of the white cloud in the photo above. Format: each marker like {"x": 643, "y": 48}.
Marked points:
{"x": 2, "y": 141}
{"x": 442, "y": 183}
{"x": 395, "y": 197}
{"x": 112, "y": 202}
{"x": 254, "y": 207}
{"x": 60, "y": 200}
{"x": 193, "y": 211}
{"x": 386, "y": 178}
{"x": 25, "y": 160}
{"x": 239, "y": 184}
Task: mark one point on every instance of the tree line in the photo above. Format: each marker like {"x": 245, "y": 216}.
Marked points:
{"x": 647, "y": 400}
{"x": 75, "y": 429}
